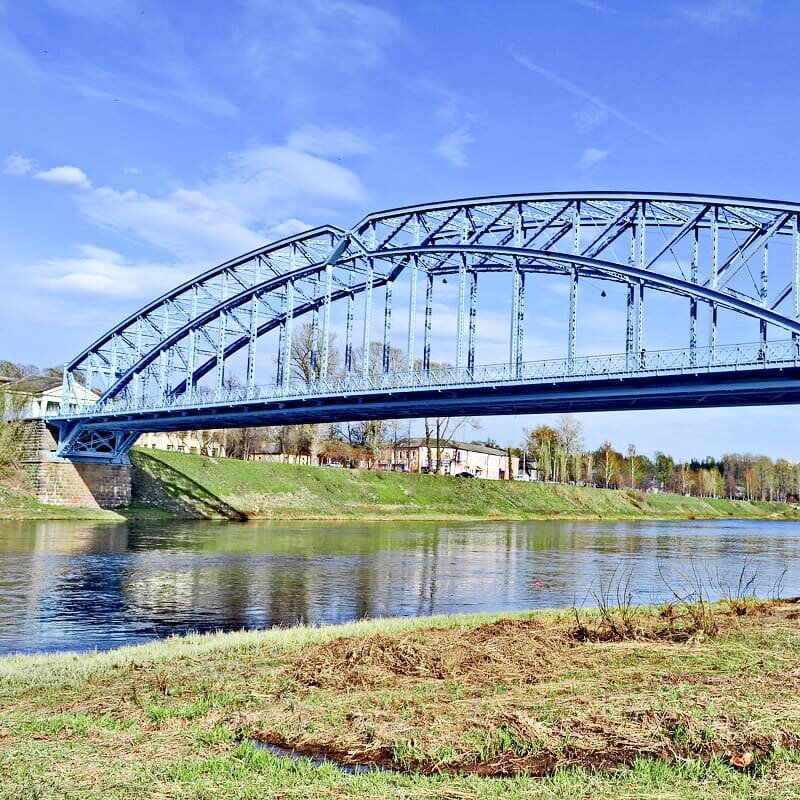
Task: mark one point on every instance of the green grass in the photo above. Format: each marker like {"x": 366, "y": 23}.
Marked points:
{"x": 230, "y": 488}
{"x": 171, "y": 720}
{"x": 184, "y": 485}
{"x": 17, "y": 503}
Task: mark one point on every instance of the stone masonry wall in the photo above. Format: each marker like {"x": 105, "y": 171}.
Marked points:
{"x": 64, "y": 483}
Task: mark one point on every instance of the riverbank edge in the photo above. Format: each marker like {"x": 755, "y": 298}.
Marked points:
{"x": 56, "y": 700}
{"x": 171, "y": 485}
{"x": 46, "y": 513}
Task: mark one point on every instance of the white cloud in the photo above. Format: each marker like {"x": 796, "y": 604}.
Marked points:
{"x": 286, "y": 228}
{"x": 187, "y": 223}
{"x": 280, "y": 177}
{"x": 452, "y": 146}
{"x": 328, "y": 141}
{"x": 579, "y": 92}
{"x": 16, "y": 164}
{"x": 590, "y": 117}
{"x": 338, "y": 35}
{"x": 595, "y": 5}
{"x": 720, "y": 14}
{"x": 105, "y": 273}
{"x": 65, "y": 176}
{"x": 257, "y": 195}
{"x": 592, "y": 156}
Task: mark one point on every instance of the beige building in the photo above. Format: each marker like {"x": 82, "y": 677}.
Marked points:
{"x": 208, "y": 443}
{"x": 411, "y": 455}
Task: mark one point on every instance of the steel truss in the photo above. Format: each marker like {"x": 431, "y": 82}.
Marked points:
{"x": 734, "y": 254}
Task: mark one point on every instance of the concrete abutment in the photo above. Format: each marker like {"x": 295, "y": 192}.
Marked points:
{"x": 70, "y": 484}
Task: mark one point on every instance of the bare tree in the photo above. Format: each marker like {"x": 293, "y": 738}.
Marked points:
{"x": 307, "y": 356}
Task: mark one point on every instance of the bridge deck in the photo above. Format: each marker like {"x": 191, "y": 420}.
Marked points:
{"x": 751, "y": 374}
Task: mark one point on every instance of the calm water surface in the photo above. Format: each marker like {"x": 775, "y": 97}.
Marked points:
{"x": 81, "y": 586}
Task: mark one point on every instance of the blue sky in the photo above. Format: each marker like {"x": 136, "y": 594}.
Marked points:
{"x": 143, "y": 142}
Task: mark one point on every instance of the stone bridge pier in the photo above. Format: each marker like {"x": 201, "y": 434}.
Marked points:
{"x": 67, "y": 483}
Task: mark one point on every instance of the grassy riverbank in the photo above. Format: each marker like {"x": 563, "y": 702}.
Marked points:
{"x": 643, "y": 705}
{"x": 17, "y": 503}
{"x": 193, "y": 486}
{"x": 196, "y": 485}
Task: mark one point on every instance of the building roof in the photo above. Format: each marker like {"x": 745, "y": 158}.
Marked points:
{"x": 34, "y": 384}
{"x": 38, "y": 385}
{"x": 416, "y": 442}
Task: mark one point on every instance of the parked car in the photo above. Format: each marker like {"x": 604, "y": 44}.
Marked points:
{"x": 522, "y": 476}
{"x": 464, "y": 475}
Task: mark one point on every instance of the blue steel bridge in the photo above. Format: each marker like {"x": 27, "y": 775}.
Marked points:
{"x": 505, "y": 305}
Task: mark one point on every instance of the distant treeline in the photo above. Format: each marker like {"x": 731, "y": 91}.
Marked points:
{"x": 558, "y": 454}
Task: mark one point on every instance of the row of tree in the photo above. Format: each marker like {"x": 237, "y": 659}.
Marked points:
{"x": 558, "y": 454}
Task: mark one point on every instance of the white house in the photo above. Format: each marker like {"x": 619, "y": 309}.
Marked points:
{"x": 411, "y": 455}
{"x": 37, "y": 396}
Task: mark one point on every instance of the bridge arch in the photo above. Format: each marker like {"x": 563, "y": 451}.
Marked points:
{"x": 716, "y": 253}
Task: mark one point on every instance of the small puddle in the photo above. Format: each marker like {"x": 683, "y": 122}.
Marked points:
{"x": 316, "y": 759}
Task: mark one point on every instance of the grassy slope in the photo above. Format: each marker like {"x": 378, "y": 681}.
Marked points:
{"x": 18, "y": 504}
{"x": 166, "y": 720}
{"x": 226, "y": 486}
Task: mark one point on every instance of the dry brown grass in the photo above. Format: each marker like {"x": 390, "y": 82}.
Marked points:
{"x": 530, "y": 696}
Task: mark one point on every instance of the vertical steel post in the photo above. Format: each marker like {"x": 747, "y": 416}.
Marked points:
{"x": 640, "y": 326}
{"x": 693, "y": 300}
{"x": 222, "y": 333}
{"x": 90, "y": 371}
{"x": 764, "y": 267}
{"x": 251, "y": 345}
{"x": 326, "y": 323}
{"x": 712, "y": 334}
{"x": 287, "y": 338}
{"x": 387, "y": 328}
{"x": 137, "y": 354}
{"x": 573, "y": 319}
{"x": 630, "y": 301}
{"x": 573, "y": 289}
{"x": 281, "y": 334}
{"x": 426, "y": 347}
{"x": 520, "y": 325}
{"x": 114, "y": 360}
{"x": 412, "y": 311}
{"x": 629, "y": 326}
{"x": 513, "y": 344}
{"x": 65, "y": 375}
{"x": 641, "y": 232}
{"x": 461, "y": 318}
{"x": 313, "y": 356}
{"x": 714, "y": 246}
{"x": 190, "y": 357}
{"x": 514, "y": 335}
{"x": 221, "y": 341}
{"x": 365, "y": 355}
{"x": 163, "y": 359}
{"x": 796, "y": 278}
{"x": 473, "y": 314}
{"x": 348, "y": 331}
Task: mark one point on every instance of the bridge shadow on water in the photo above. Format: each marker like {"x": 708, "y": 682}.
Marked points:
{"x": 157, "y": 483}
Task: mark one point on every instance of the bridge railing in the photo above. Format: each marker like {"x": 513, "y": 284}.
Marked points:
{"x": 762, "y": 355}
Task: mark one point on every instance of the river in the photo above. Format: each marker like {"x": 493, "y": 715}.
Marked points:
{"x": 87, "y": 585}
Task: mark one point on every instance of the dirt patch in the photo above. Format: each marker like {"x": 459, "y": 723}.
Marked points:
{"x": 531, "y": 696}
{"x": 507, "y": 650}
